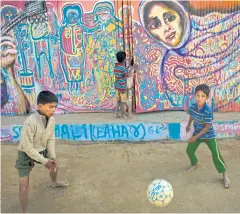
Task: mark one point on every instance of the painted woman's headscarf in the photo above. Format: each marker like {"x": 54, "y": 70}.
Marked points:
{"x": 208, "y": 53}
{"x": 173, "y": 5}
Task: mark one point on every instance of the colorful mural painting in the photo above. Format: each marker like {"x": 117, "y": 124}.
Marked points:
{"x": 195, "y": 49}
{"x": 70, "y": 50}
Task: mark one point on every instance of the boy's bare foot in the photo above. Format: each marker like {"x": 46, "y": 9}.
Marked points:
{"x": 130, "y": 117}
{"x": 122, "y": 116}
{"x": 117, "y": 115}
{"x": 227, "y": 182}
{"x": 192, "y": 168}
{"x": 60, "y": 184}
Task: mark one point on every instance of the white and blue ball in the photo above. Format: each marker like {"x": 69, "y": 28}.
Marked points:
{"x": 160, "y": 192}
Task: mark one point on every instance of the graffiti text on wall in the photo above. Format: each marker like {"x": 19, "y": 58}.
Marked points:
{"x": 121, "y": 132}
{"x": 97, "y": 132}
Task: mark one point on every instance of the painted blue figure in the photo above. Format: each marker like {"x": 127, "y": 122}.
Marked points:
{"x": 43, "y": 32}
{"x": 72, "y": 45}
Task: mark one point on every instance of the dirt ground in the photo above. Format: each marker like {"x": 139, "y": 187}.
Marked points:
{"x": 107, "y": 117}
{"x": 114, "y": 178}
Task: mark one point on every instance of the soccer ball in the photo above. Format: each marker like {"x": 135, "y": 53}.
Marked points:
{"x": 160, "y": 192}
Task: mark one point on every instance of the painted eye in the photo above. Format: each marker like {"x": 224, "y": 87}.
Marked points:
{"x": 170, "y": 18}
{"x": 156, "y": 24}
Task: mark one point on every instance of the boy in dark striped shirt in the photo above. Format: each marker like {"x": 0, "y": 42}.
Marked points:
{"x": 120, "y": 72}
{"x": 202, "y": 117}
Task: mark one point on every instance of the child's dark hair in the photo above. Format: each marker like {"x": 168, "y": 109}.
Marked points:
{"x": 45, "y": 97}
{"x": 204, "y": 88}
{"x": 121, "y": 55}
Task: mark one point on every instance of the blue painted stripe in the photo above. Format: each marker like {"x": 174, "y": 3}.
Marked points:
{"x": 174, "y": 131}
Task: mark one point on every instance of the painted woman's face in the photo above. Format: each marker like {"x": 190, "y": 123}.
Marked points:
{"x": 165, "y": 24}
{"x": 103, "y": 13}
{"x": 72, "y": 16}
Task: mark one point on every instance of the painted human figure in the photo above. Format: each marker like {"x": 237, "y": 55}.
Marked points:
{"x": 195, "y": 52}
{"x": 104, "y": 15}
{"x": 72, "y": 45}
{"x": 103, "y": 46}
{"x": 51, "y": 72}
{"x": 40, "y": 29}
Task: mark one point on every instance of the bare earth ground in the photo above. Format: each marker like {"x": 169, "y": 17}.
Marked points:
{"x": 114, "y": 178}
{"x": 108, "y": 117}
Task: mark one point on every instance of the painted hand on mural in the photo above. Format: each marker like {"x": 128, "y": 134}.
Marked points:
{"x": 8, "y": 57}
{"x": 11, "y": 90}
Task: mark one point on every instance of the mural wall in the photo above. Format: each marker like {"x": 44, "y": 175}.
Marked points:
{"x": 191, "y": 43}
{"x": 71, "y": 49}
